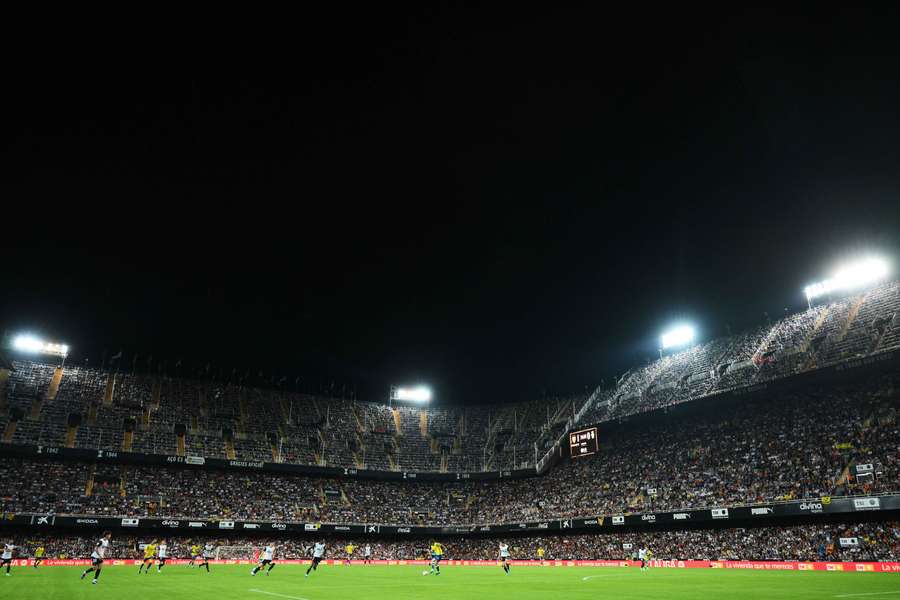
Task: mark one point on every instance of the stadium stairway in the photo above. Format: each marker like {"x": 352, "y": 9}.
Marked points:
{"x": 851, "y": 316}
{"x": 354, "y": 410}
{"x": 54, "y": 383}
{"x": 92, "y": 414}
{"x": 423, "y": 423}
{"x": 36, "y": 406}
{"x": 229, "y": 449}
{"x": 179, "y": 445}
{"x": 89, "y": 485}
{"x": 4, "y": 378}
{"x": 392, "y": 462}
{"x": 275, "y": 456}
{"x": 71, "y": 434}
{"x": 398, "y": 426}
{"x": 815, "y": 329}
{"x": 127, "y": 440}
{"x": 9, "y": 432}
{"x": 110, "y": 390}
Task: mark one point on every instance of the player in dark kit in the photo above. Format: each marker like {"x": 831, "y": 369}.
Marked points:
{"x": 97, "y": 556}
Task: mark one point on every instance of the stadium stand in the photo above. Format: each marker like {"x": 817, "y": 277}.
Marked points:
{"x": 780, "y": 447}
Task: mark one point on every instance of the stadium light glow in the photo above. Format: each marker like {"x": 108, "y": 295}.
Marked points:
{"x": 678, "y": 336}
{"x": 850, "y": 277}
{"x": 419, "y": 394}
{"x": 32, "y": 345}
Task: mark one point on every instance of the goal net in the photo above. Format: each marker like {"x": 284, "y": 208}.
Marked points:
{"x": 235, "y": 553}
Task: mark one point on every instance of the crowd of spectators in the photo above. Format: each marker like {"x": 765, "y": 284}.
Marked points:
{"x": 844, "y": 329}
{"x": 873, "y": 542}
{"x": 160, "y": 415}
{"x": 781, "y": 446}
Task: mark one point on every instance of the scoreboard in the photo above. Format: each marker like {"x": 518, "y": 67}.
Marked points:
{"x": 583, "y": 443}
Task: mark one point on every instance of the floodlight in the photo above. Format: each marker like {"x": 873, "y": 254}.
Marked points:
{"x": 850, "y": 277}
{"x": 28, "y": 343}
{"x": 32, "y": 345}
{"x": 419, "y": 393}
{"x": 678, "y": 336}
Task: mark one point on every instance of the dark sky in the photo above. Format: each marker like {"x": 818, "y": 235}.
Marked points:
{"x": 499, "y": 203}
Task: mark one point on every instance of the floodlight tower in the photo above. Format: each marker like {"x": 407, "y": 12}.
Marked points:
{"x": 29, "y": 344}
{"x": 678, "y": 336}
{"x": 419, "y": 394}
{"x": 849, "y": 277}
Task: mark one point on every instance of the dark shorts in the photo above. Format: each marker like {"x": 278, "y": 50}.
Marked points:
{"x": 265, "y": 561}
{"x": 437, "y": 557}
{"x": 5, "y": 561}
{"x": 317, "y": 560}
{"x": 96, "y": 562}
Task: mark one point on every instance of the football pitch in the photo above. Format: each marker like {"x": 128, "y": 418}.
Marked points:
{"x": 286, "y": 582}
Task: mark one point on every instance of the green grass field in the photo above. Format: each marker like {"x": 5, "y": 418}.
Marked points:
{"x": 455, "y": 583}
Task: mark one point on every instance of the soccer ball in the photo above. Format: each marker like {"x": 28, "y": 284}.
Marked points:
{"x": 424, "y": 572}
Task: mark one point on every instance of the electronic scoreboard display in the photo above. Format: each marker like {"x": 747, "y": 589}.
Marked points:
{"x": 583, "y": 443}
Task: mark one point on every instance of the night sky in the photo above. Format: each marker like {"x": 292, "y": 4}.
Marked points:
{"x": 504, "y": 204}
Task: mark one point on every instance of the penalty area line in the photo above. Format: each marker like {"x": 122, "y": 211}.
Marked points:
{"x": 278, "y": 595}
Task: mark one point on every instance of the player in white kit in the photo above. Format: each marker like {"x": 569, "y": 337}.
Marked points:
{"x": 644, "y": 556}
{"x": 6, "y": 557}
{"x": 265, "y": 558}
{"x": 97, "y": 557}
{"x": 162, "y": 553}
{"x": 503, "y": 557}
{"x": 318, "y": 555}
{"x": 209, "y": 551}
{"x": 367, "y": 554}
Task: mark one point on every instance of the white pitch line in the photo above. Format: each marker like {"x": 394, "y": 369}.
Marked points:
{"x": 604, "y": 576}
{"x": 279, "y": 595}
{"x": 866, "y": 594}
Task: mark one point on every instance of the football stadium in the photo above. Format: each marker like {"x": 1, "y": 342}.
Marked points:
{"x": 729, "y": 463}
{"x": 452, "y": 301}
